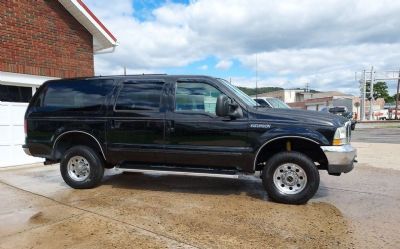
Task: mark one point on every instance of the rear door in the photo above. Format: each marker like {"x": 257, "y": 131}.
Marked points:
{"x": 136, "y": 127}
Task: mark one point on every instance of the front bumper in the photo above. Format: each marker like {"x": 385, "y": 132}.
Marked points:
{"x": 340, "y": 158}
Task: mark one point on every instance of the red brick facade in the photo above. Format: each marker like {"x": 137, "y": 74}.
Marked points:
{"x": 40, "y": 37}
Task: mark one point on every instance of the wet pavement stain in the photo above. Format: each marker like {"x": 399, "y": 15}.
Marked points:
{"x": 153, "y": 211}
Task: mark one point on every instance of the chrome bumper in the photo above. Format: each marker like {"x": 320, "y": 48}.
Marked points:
{"x": 340, "y": 158}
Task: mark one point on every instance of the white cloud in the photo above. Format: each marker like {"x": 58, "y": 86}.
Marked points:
{"x": 297, "y": 42}
{"x": 326, "y": 68}
{"x": 203, "y": 67}
{"x": 224, "y": 64}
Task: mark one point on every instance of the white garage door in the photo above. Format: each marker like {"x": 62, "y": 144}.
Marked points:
{"x": 12, "y": 135}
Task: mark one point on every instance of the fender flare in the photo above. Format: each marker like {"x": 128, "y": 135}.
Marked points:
{"x": 83, "y": 132}
{"x": 277, "y": 138}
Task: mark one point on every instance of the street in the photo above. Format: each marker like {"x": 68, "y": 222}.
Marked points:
{"x": 377, "y": 135}
{"x": 355, "y": 210}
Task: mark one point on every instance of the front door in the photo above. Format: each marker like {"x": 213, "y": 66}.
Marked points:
{"x": 136, "y": 128}
{"x": 196, "y": 136}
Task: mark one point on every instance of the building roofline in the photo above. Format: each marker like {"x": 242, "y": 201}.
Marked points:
{"x": 102, "y": 37}
{"x": 96, "y": 19}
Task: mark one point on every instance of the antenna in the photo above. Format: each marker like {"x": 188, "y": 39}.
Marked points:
{"x": 256, "y": 76}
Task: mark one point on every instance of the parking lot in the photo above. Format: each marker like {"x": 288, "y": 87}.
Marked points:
{"x": 359, "y": 209}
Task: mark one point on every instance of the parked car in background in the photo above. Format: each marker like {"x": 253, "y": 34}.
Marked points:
{"x": 341, "y": 111}
{"x": 391, "y": 110}
{"x": 271, "y": 102}
{"x": 382, "y": 114}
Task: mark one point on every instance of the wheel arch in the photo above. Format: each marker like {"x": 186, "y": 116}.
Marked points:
{"x": 66, "y": 140}
{"x": 308, "y": 146}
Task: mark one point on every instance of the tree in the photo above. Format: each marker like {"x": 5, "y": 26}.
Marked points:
{"x": 380, "y": 91}
{"x": 395, "y": 97}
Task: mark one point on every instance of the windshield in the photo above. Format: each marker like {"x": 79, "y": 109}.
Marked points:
{"x": 277, "y": 103}
{"x": 246, "y": 98}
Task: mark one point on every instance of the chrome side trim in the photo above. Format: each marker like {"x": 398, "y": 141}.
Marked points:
{"x": 277, "y": 138}
{"x": 120, "y": 170}
{"x": 76, "y": 131}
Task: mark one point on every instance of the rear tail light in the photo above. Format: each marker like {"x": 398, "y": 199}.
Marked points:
{"x": 26, "y": 127}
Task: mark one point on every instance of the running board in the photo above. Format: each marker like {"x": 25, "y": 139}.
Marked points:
{"x": 233, "y": 174}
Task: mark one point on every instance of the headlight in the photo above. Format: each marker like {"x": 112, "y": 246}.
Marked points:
{"x": 340, "y": 137}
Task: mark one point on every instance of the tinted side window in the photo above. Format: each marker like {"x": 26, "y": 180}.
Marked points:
{"x": 139, "y": 96}
{"x": 196, "y": 97}
{"x": 69, "y": 95}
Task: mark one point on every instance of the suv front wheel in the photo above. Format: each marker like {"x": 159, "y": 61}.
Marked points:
{"x": 81, "y": 167}
{"x": 290, "y": 177}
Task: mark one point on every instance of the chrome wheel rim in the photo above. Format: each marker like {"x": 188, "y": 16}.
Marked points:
{"x": 78, "y": 168}
{"x": 290, "y": 178}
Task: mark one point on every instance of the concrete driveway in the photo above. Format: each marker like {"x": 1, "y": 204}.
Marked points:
{"x": 38, "y": 210}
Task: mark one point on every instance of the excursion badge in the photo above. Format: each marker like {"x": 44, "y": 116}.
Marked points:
{"x": 260, "y": 126}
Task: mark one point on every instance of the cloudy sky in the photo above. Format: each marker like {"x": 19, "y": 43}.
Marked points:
{"x": 322, "y": 43}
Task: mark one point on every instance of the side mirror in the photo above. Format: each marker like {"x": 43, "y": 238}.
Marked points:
{"x": 225, "y": 108}
{"x": 222, "y": 108}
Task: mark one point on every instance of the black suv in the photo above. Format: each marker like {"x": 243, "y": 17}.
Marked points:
{"x": 183, "y": 124}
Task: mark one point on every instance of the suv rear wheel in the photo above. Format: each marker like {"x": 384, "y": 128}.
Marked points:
{"x": 290, "y": 177}
{"x": 81, "y": 167}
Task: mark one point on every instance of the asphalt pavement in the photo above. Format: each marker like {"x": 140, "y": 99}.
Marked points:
{"x": 376, "y": 135}
{"x": 359, "y": 209}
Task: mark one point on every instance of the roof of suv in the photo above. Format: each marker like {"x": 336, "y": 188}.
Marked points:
{"x": 143, "y": 76}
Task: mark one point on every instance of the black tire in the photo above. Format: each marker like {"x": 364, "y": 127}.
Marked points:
{"x": 300, "y": 160}
{"x": 96, "y": 166}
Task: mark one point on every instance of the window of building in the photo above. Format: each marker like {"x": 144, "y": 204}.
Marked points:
{"x": 15, "y": 93}
{"x": 77, "y": 94}
{"x": 139, "y": 96}
{"x": 196, "y": 97}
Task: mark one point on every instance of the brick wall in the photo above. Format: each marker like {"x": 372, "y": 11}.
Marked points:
{"x": 40, "y": 37}
{"x": 298, "y": 105}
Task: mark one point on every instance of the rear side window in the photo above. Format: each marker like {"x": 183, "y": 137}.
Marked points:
{"x": 139, "y": 96}
{"x": 89, "y": 95}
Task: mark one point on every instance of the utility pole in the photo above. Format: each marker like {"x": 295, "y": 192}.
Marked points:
{"x": 397, "y": 97}
{"x": 363, "y": 88}
{"x": 372, "y": 79}
{"x": 371, "y": 102}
